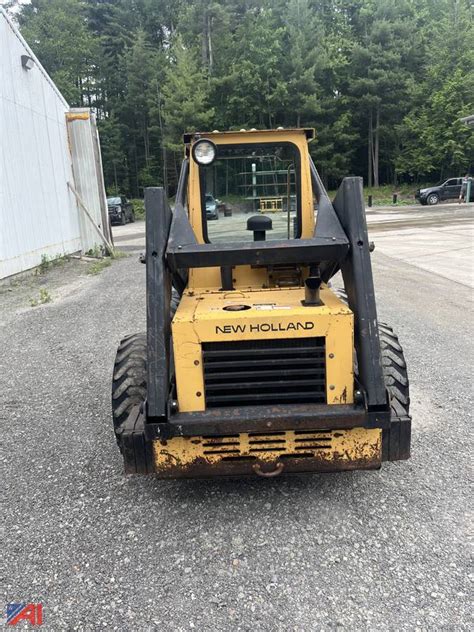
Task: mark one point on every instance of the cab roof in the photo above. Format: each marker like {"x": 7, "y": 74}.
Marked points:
{"x": 189, "y": 137}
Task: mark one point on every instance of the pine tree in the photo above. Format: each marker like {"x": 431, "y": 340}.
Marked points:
{"x": 58, "y": 32}
{"x": 113, "y": 157}
{"x": 140, "y": 63}
{"x": 185, "y": 94}
{"x": 380, "y": 75}
{"x": 254, "y": 88}
{"x": 384, "y": 83}
{"x": 436, "y": 143}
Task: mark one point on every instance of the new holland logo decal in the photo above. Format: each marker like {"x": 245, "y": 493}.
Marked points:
{"x": 263, "y": 327}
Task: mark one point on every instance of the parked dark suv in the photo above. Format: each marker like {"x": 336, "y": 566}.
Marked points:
{"x": 211, "y": 207}
{"x": 448, "y": 190}
{"x": 120, "y": 210}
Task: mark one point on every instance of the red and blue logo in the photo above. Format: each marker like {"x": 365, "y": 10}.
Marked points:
{"x": 17, "y": 612}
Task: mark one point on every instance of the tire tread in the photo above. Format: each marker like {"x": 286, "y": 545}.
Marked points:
{"x": 394, "y": 366}
{"x": 129, "y": 377}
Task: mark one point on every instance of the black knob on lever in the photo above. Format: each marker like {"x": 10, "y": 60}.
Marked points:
{"x": 259, "y": 224}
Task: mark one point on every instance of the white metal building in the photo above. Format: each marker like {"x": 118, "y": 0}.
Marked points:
{"x": 39, "y": 213}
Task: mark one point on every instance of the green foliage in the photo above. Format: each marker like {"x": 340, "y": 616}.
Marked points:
{"x": 51, "y": 262}
{"x": 254, "y": 86}
{"x": 44, "y": 297}
{"x": 383, "y": 195}
{"x": 45, "y": 264}
{"x": 96, "y": 252}
{"x": 113, "y": 159}
{"x": 434, "y": 141}
{"x": 185, "y": 95}
{"x": 384, "y": 83}
{"x": 97, "y": 267}
{"x": 118, "y": 254}
{"x": 58, "y": 32}
{"x": 138, "y": 208}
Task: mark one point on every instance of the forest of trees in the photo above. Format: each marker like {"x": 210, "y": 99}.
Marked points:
{"x": 384, "y": 82}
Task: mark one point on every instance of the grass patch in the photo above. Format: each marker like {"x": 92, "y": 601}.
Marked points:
{"x": 98, "y": 266}
{"x": 383, "y": 195}
{"x": 104, "y": 262}
{"x": 118, "y": 254}
{"x": 44, "y": 297}
{"x": 96, "y": 252}
{"x": 48, "y": 262}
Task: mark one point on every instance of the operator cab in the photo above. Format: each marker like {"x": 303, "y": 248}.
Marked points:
{"x": 251, "y": 173}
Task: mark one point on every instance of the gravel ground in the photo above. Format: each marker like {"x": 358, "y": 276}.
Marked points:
{"x": 380, "y": 550}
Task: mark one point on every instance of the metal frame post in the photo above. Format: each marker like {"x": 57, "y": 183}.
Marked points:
{"x": 158, "y": 300}
{"x": 358, "y": 281}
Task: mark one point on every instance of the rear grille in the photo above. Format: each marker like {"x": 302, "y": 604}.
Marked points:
{"x": 283, "y": 444}
{"x": 265, "y": 372}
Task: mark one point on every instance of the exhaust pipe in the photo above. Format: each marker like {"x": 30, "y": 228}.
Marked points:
{"x": 311, "y": 288}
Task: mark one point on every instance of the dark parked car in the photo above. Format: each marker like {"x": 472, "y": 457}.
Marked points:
{"x": 120, "y": 210}
{"x": 211, "y": 207}
{"x": 448, "y": 190}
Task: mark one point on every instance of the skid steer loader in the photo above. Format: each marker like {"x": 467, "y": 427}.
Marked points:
{"x": 251, "y": 363}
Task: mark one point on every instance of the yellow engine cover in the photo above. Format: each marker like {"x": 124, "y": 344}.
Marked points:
{"x": 211, "y": 316}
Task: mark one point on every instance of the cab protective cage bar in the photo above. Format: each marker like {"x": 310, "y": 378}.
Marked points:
{"x": 340, "y": 242}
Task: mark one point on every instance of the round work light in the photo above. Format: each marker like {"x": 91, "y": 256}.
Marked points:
{"x": 204, "y": 151}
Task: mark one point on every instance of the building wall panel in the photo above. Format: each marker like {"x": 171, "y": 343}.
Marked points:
{"x": 38, "y": 214}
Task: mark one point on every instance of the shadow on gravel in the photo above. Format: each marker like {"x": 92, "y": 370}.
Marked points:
{"x": 219, "y": 489}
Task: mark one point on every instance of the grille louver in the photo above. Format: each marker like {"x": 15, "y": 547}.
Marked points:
{"x": 265, "y": 372}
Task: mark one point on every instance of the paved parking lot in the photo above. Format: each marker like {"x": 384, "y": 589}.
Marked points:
{"x": 438, "y": 239}
{"x": 384, "y": 550}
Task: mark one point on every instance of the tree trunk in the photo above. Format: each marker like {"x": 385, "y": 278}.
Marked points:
{"x": 369, "y": 150}
{"x": 137, "y": 180}
{"x": 163, "y": 148}
{"x": 376, "y": 148}
{"x": 209, "y": 45}
{"x": 204, "y": 41}
{"x": 206, "y": 44}
{"x": 176, "y": 170}
{"x": 146, "y": 142}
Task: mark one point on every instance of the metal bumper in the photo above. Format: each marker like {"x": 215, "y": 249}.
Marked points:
{"x": 115, "y": 216}
{"x": 257, "y": 442}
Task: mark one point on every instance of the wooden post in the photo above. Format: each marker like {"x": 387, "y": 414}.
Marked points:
{"x": 107, "y": 243}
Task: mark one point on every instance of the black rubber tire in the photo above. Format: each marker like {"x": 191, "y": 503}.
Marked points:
{"x": 434, "y": 197}
{"x": 394, "y": 367}
{"x": 123, "y": 219}
{"x": 129, "y": 377}
{"x": 395, "y": 372}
